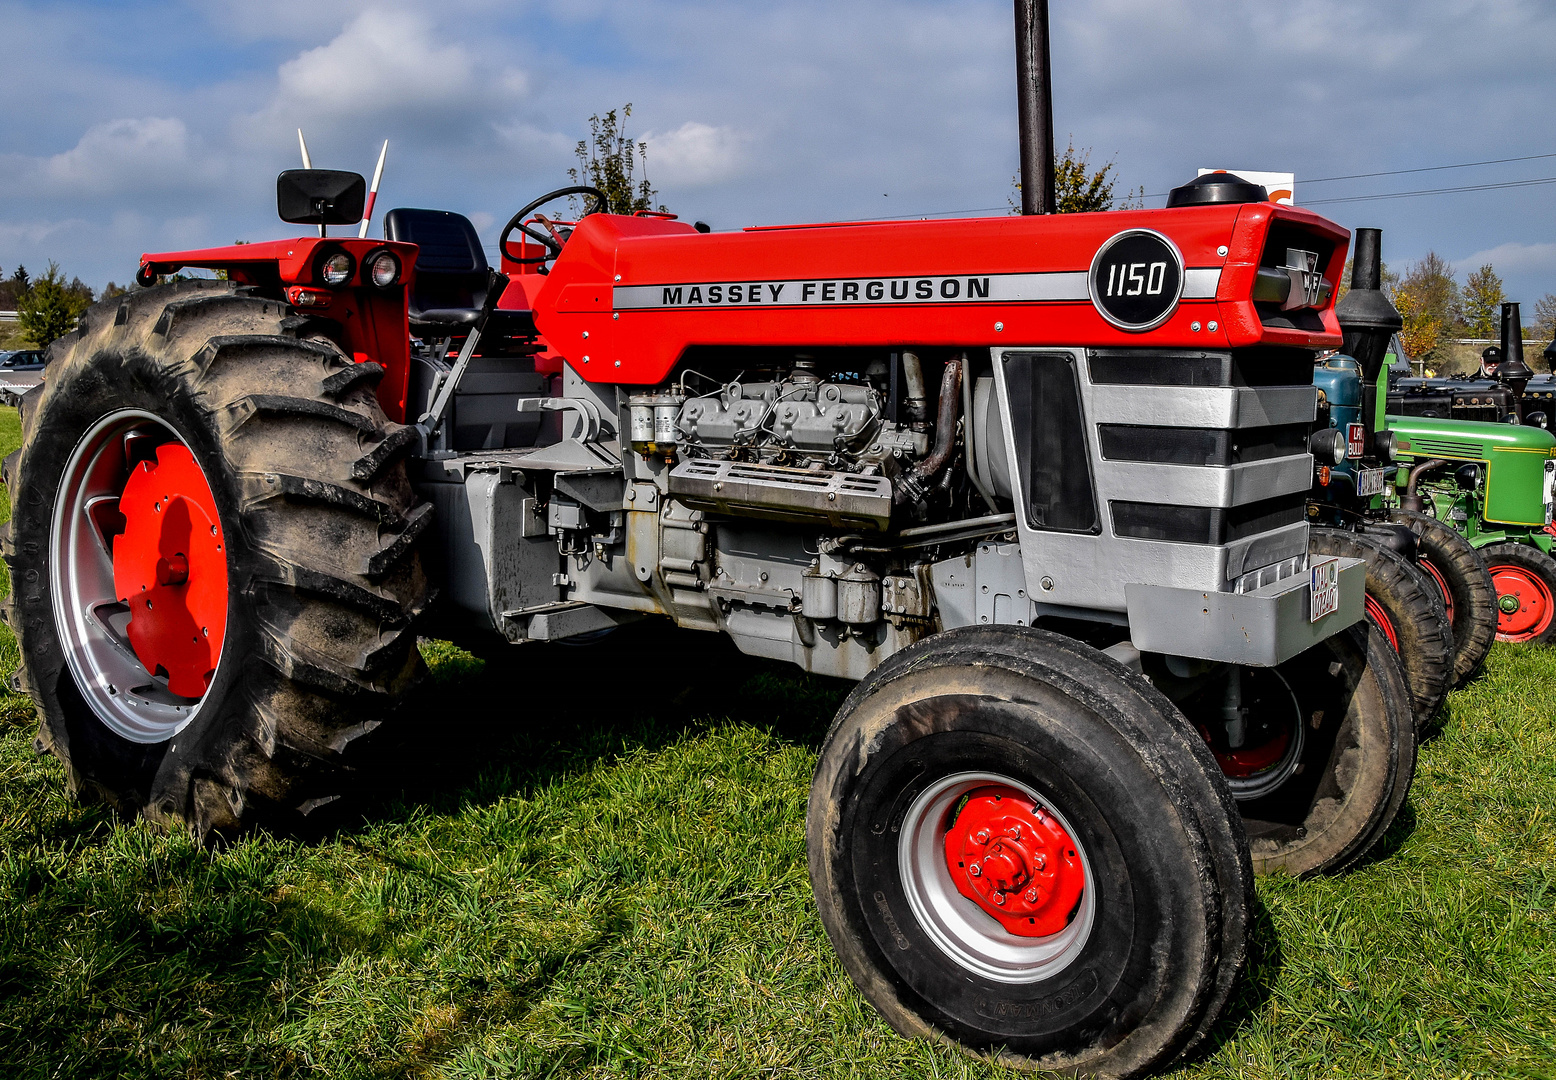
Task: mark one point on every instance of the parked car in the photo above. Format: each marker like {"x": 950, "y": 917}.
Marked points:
{"x": 22, "y": 360}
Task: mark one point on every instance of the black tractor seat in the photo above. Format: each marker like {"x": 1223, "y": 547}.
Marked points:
{"x": 452, "y": 275}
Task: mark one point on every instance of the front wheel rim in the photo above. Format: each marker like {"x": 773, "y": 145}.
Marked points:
{"x": 1376, "y": 613}
{"x": 1524, "y": 603}
{"x": 958, "y": 925}
{"x": 130, "y": 489}
{"x": 1442, "y": 586}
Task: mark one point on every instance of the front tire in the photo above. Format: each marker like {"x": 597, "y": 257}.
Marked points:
{"x": 1129, "y": 948}
{"x": 213, "y": 551}
{"x": 1525, "y": 580}
{"x": 1406, "y": 606}
{"x": 1468, "y": 590}
{"x": 1326, "y": 754}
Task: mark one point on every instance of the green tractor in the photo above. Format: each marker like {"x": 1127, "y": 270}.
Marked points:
{"x": 1491, "y": 480}
{"x": 1493, "y": 484}
{"x": 1427, "y": 589}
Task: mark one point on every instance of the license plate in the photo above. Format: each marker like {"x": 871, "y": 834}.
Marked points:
{"x": 1324, "y": 589}
{"x": 1369, "y": 482}
{"x": 1355, "y": 441}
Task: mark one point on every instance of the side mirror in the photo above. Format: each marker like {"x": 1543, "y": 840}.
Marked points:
{"x": 320, "y": 197}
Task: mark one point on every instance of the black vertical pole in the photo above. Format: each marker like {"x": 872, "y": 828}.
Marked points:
{"x": 1034, "y": 98}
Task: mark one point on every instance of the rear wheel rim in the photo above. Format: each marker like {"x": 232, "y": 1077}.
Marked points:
{"x": 964, "y": 928}
{"x": 1524, "y": 603}
{"x": 136, "y": 525}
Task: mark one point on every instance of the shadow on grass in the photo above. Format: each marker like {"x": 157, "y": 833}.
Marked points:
{"x": 536, "y": 714}
{"x": 1265, "y": 961}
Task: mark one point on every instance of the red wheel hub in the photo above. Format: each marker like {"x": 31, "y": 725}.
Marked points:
{"x": 170, "y": 568}
{"x": 1014, "y": 860}
{"x": 1524, "y": 603}
{"x": 1376, "y": 613}
{"x": 1250, "y": 761}
{"x": 1442, "y": 585}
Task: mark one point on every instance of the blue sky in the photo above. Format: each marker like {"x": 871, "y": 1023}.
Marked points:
{"x": 160, "y": 124}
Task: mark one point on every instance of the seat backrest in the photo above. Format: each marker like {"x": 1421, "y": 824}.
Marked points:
{"x": 451, "y": 268}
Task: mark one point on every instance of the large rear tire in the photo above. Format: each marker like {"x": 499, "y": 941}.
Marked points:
{"x": 1108, "y": 958}
{"x": 1467, "y": 588}
{"x": 1409, "y": 610}
{"x": 1525, "y": 580}
{"x": 213, "y": 551}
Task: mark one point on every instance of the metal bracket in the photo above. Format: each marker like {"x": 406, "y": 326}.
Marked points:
{"x": 589, "y": 419}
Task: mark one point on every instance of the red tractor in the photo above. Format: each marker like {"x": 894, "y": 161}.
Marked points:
{"x": 1038, "y": 483}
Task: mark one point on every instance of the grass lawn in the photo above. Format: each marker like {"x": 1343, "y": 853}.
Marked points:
{"x": 614, "y": 884}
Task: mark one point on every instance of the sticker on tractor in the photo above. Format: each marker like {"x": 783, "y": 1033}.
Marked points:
{"x": 1369, "y": 481}
{"x": 1324, "y": 589}
{"x": 1355, "y": 441}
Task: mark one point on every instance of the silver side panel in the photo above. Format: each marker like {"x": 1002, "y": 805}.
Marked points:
{"x": 1194, "y": 485}
{"x": 1195, "y": 406}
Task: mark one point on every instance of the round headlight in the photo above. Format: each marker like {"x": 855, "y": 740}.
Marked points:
{"x": 383, "y": 269}
{"x": 336, "y": 270}
{"x": 1327, "y": 446}
{"x": 1384, "y": 445}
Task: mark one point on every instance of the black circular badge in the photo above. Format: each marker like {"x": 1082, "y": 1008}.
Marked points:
{"x": 1136, "y": 280}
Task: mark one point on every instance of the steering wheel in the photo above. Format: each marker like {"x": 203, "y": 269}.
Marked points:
{"x": 550, "y": 243}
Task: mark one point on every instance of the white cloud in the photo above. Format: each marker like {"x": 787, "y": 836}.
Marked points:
{"x": 124, "y": 154}
{"x": 1512, "y": 258}
{"x": 384, "y": 58}
{"x": 695, "y": 154}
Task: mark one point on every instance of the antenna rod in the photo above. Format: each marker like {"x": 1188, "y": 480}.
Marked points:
{"x": 1034, "y": 100}
{"x": 307, "y": 164}
{"x": 372, "y": 193}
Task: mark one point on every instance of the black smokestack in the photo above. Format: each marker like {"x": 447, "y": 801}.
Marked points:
{"x": 1034, "y": 98}
{"x": 1513, "y": 372}
{"x": 1368, "y": 319}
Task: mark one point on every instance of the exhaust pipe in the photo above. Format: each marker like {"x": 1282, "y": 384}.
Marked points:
{"x": 1513, "y": 372}
{"x": 1034, "y": 100}
{"x": 1368, "y": 320}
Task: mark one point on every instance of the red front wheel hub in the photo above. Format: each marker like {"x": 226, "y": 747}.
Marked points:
{"x": 1524, "y": 603}
{"x": 170, "y": 568}
{"x": 1012, "y": 858}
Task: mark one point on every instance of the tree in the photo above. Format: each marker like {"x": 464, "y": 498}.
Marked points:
{"x": 607, "y": 159}
{"x": 1482, "y": 303}
{"x": 1078, "y": 189}
{"x": 50, "y": 308}
{"x": 1427, "y": 297}
{"x": 12, "y": 288}
{"x": 1423, "y": 329}
{"x": 1544, "y": 326}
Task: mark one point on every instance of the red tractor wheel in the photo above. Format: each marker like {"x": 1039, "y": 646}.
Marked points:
{"x": 1525, "y": 580}
{"x": 1019, "y": 846}
{"x": 213, "y": 556}
{"x": 1407, "y": 607}
{"x": 1469, "y": 595}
